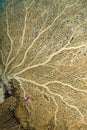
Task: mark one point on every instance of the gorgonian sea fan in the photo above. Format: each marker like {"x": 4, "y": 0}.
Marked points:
{"x": 43, "y": 46}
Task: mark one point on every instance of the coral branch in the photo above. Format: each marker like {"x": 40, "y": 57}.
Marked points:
{"x": 56, "y": 95}
{"x": 11, "y": 41}
{"x": 39, "y": 35}
{"x": 23, "y": 34}
{"x": 49, "y": 59}
{"x": 2, "y": 57}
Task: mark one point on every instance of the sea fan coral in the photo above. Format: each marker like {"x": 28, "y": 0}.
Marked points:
{"x": 43, "y": 45}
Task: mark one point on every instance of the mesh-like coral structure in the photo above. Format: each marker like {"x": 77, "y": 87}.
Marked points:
{"x": 43, "y": 50}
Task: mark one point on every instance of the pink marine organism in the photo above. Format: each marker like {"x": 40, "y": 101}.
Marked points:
{"x": 26, "y": 99}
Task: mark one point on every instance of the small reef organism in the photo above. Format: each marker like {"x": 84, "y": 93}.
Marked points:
{"x": 26, "y": 99}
